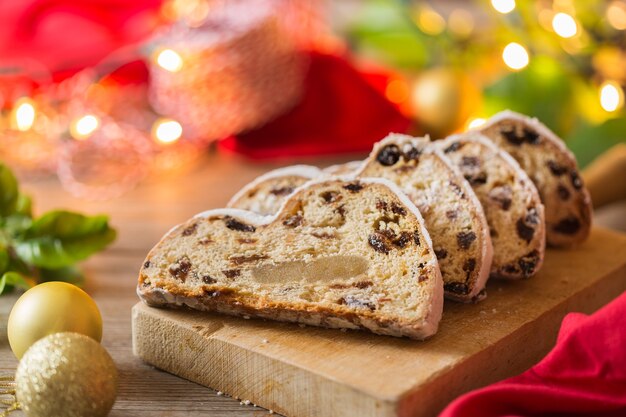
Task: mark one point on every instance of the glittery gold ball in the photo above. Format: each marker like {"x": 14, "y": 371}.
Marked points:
{"x": 66, "y": 375}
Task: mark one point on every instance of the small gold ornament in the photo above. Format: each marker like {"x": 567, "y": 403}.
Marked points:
{"x": 66, "y": 375}
{"x": 48, "y": 308}
{"x": 443, "y": 100}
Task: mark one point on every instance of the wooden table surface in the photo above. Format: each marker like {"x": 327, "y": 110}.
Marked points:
{"x": 141, "y": 217}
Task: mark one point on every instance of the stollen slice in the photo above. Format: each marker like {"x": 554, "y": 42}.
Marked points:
{"x": 553, "y": 169}
{"x": 510, "y": 201}
{"x": 346, "y": 168}
{"x": 451, "y": 211}
{"x": 267, "y": 193}
{"x": 339, "y": 254}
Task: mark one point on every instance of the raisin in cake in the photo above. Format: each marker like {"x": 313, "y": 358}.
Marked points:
{"x": 340, "y": 254}
{"x": 510, "y": 201}
{"x": 265, "y": 194}
{"x": 452, "y": 213}
{"x": 553, "y": 169}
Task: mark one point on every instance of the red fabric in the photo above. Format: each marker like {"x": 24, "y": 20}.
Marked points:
{"x": 584, "y": 375}
{"x": 68, "y": 35}
{"x": 341, "y": 111}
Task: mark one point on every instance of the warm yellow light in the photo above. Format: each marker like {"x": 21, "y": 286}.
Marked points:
{"x": 564, "y": 25}
{"x": 503, "y": 6}
{"x": 24, "y": 114}
{"x": 83, "y": 127}
{"x": 616, "y": 15}
{"x": 167, "y": 130}
{"x": 397, "y": 91}
{"x": 170, "y": 60}
{"x": 515, "y": 56}
{"x": 461, "y": 22}
{"x": 431, "y": 22}
{"x": 611, "y": 96}
{"x": 545, "y": 18}
{"x": 475, "y": 122}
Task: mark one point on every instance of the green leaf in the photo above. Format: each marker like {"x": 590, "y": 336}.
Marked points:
{"x": 16, "y": 224}
{"x": 8, "y": 191}
{"x": 60, "y": 238}
{"x": 13, "y": 279}
{"x": 24, "y": 205}
{"x": 4, "y": 260}
{"x": 69, "y": 274}
{"x": 543, "y": 90}
{"x": 590, "y": 141}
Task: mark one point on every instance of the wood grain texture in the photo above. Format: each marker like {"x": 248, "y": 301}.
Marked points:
{"x": 141, "y": 217}
{"x": 311, "y": 372}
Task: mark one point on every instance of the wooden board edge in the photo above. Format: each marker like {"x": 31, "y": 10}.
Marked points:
{"x": 498, "y": 361}
{"x": 265, "y": 381}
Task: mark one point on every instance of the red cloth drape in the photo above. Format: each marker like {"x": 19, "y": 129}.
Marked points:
{"x": 64, "y": 36}
{"x": 584, "y": 375}
{"x": 342, "y": 110}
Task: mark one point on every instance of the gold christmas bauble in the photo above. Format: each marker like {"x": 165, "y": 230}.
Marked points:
{"x": 66, "y": 375}
{"x": 48, "y": 308}
{"x": 442, "y": 100}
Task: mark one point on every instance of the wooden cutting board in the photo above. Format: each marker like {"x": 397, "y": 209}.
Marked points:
{"x": 308, "y": 371}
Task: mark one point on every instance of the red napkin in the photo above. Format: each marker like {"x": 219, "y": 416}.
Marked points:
{"x": 584, "y": 375}
{"x": 341, "y": 111}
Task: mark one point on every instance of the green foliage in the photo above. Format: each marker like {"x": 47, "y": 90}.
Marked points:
{"x": 560, "y": 86}
{"x": 589, "y": 141}
{"x": 41, "y": 249}
{"x": 541, "y": 90}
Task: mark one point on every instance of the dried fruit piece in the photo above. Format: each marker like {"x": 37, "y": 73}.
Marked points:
{"x": 465, "y": 239}
{"x": 567, "y": 226}
{"x": 233, "y": 224}
{"x": 379, "y": 242}
{"x": 389, "y": 155}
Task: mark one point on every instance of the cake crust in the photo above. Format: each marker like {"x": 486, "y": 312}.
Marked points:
{"x": 552, "y": 168}
{"x": 340, "y": 254}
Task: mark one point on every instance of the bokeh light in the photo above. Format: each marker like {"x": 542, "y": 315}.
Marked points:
{"x": 461, "y": 22}
{"x": 564, "y": 25}
{"x": 24, "y": 114}
{"x": 397, "y": 91}
{"x": 167, "y": 130}
{"x": 170, "y": 60}
{"x": 616, "y": 15}
{"x": 431, "y": 22}
{"x": 503, "y": 6}
{"x": 611, "y": 96}
{"x": 84, "y": 126}
{"x": 475, "y": 122}
{"x": 515, "y": 56}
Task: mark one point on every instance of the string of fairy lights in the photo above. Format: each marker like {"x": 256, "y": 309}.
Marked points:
{"x": 565, "y": 25}
{"x": 585, "y": 39}
{"x": 101, "y": 137}
{"x": 517, "y": 57}
{"x": 37, "y": 126}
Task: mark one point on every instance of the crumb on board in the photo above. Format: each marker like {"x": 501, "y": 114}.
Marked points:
{"x": 265, "y": 341}
{"x": 220, "y": 393}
